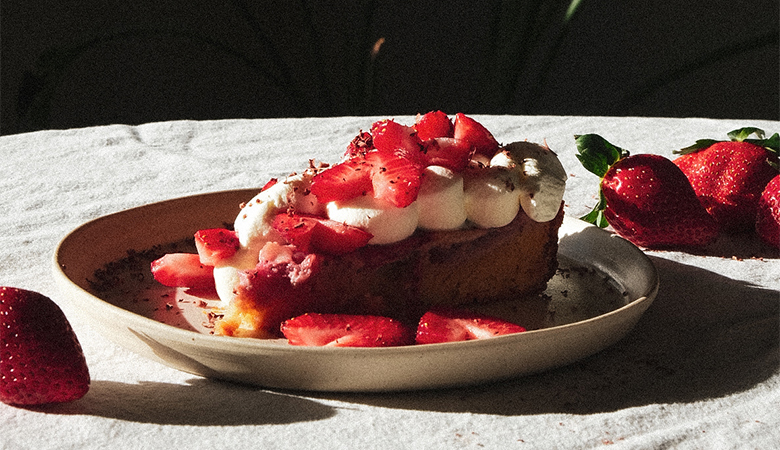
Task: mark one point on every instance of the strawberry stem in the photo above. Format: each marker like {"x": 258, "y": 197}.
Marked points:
{"x": 596, "y": 216}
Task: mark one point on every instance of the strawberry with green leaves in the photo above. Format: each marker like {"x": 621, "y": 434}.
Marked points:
{"x": 729, "y": 176}
{"x": 646, "y": 198}
{"x": 41, "y": 360}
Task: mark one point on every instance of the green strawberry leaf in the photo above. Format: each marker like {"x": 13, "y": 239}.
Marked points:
{"x": 743, "y": 133}
{"x": 772, "y": 143}
{"x": 596, "y": 154}
{"x": 700, "y": 144}
{"x": 596, "y": 216}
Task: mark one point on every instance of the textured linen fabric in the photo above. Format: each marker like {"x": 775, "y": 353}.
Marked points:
{"x": 700, "y": 369}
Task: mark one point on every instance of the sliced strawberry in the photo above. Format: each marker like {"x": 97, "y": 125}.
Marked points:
{"x": 317, "y": 234}
{"x": 434, "y": 124}
{"x": 183, "y": 270}
{"x": 470, "y": 130}
{"x": 342, "y": 330}
{"x": 446, "y": 325}
{"x": 360, "y": 145}
{"x": 346, "y": 180}
{"x": 41, "y": 360}
{"x": 394, "y": 177}
{"x": 216, "y": 244}
{"x": 451, "y": 153}
{"x": 296, "y": 229}
{"x": 270, "y": 183}
{"x": 337, "y": 238}
{"x": 391, "y": 136}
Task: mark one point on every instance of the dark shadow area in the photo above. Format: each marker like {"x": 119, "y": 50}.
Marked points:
{"x": 687, "y": 347}
{"x": 202, "y": 402}
{"x": 98, "y": 62}
{"x": 740, "y": 246}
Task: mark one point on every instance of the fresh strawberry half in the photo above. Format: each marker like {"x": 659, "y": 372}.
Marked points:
{"x": 446, "y": 325}
{"x": 394, "y": 177}
{"x": 183, "y": 270}
{"x": 470, "y": 130}
{"x": 41, "y": 360}
{"x": 646, "y": 198}
{"x": 343, "y": 181}
{"x": 768, "y": 213}
{"x": 343, "y": 330}
{"x": 317, "y": 234}
{"x": 451, "y": 153}
{"x": 434, "y": 124}
{"x": 216, "y": 244}
{"x": 729, "y": 176}
{"x": 390, "y": 136}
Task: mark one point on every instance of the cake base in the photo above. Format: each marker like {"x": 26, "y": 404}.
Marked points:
{"x": 401, "y": 280}
{"x": 444, "y": 269}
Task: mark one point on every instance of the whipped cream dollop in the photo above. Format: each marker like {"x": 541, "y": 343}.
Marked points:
{"x": 521, "y": 175}
{"x": 441, "y": 200}
{"x": 542, "y": 178}
{"x": 386, "y": 222}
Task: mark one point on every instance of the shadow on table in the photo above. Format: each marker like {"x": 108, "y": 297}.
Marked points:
{"x": 202, "y": 402}
{"x": 705, "y": 336}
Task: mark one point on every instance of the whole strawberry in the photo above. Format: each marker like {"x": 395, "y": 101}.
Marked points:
{"x": 645, "y": 198}
{"x": 41, "y": 360}
{"x": 729, "y": 176}
{"x": 768, "y": 215}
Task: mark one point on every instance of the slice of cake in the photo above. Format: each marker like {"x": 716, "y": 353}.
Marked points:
{"x": 412, "y": 218}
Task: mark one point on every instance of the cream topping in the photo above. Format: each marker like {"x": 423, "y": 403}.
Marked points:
{"x": 385, "y": 221}
{"x": 522, "y": 175}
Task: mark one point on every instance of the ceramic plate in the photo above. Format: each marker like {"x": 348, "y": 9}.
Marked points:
{"x": 603, "y": 286}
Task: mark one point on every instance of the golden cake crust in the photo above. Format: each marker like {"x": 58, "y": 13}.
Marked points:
{"x": 443, "y": 269}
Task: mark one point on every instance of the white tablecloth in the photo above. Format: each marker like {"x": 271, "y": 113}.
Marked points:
{"x": 700, "y": 370}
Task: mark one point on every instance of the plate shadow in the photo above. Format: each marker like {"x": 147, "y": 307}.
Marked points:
{"x": 705, "y": 336}
{"x": 201, "y": 402}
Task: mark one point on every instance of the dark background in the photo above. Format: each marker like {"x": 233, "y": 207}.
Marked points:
{"x": 100, "y": 62}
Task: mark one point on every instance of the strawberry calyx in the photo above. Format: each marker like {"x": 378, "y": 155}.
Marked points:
{"x": 771, "y": 144}
{"x": 597, "y": 155}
